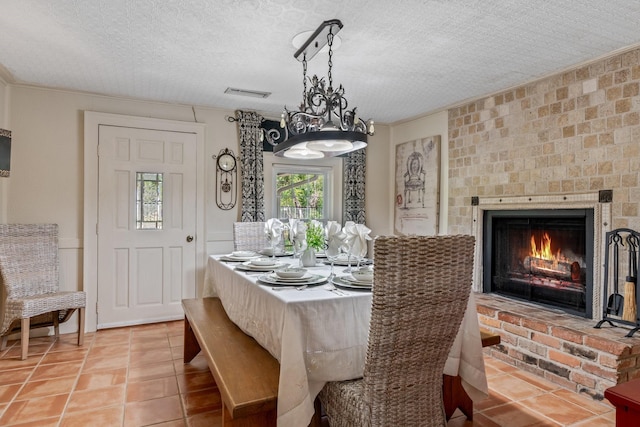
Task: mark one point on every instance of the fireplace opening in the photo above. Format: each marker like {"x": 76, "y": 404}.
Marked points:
{"x": 543, "y": 256}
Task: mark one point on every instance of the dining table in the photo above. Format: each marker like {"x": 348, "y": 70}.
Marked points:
{"x": 319, "y": 333}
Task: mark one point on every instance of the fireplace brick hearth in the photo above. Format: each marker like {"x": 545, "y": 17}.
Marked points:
{"x": 562, "y": 348}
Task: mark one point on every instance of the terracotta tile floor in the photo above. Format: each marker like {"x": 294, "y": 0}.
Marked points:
{"x": 135, "y": 377}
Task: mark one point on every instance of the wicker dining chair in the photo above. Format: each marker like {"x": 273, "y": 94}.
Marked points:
{"x": 29, "y": 283}
{"x": 249, "y": 236}
{"x": 420, "y": 293}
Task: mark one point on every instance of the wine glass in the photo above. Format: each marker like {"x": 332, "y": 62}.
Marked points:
{"x": 332, "y": 252}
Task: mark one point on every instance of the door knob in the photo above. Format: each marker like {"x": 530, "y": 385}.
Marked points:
{"x": 189, "y": 239}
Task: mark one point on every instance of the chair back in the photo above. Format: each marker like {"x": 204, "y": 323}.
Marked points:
{"x": 28, "y": 259}
{"x": 249, "y": 236}
{"x": 420, "y": 294}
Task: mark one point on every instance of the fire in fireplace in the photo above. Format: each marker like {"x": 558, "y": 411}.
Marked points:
{"x": 543, "y": 255}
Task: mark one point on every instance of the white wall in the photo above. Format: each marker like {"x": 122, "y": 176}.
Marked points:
{"x": 423, "y": 127}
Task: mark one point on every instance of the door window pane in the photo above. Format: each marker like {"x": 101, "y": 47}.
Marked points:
{"x": 148, "y": 201}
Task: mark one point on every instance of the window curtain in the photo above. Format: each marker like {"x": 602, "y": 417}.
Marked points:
{"x": 354, "y": 168}
{"x": 251, "y": 166}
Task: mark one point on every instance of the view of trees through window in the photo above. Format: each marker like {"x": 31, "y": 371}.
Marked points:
{"x": 300, "y": 195}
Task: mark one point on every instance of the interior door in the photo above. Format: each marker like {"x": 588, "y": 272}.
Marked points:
{"x": 146, "y": 224}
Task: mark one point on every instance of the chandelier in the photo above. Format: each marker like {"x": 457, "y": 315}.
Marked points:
{"x": 323, "y": 126}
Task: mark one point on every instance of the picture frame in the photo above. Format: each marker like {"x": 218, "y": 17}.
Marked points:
{"x": 417, "y": 187}
{"x": 5, "y": 152}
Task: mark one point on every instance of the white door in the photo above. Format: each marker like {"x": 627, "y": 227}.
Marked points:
{"x": 146, "y": 224}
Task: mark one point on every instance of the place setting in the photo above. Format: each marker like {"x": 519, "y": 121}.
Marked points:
{"x": 261, "y": 264}
{"x": 292, "y": 277}
{"x": 361, "y": 279}
{"x": 239, "y": 256}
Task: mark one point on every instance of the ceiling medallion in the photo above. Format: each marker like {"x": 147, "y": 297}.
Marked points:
{"x": 323, "y": 126}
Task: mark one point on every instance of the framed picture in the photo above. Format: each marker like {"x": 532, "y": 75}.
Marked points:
{"x": 417, "y": 187}
{"x": 5, "y": 152}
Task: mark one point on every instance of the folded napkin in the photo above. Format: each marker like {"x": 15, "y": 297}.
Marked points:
{"x": 335, "y": 236}
{"x": 273, "y": 229}
{"x": 357, "y": 236}
{"x": 298, "y": 234}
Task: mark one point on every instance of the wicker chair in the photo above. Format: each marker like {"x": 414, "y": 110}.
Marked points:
{"x": 420, "y": 293}
{"x": 30, "y": 296}
{"x": 249, "y": 236}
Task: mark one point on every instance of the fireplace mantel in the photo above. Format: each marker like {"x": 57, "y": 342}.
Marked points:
{"x": 598, "y": 201}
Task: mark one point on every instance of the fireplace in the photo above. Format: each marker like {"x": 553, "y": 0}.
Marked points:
{"x": 543, "y": 256}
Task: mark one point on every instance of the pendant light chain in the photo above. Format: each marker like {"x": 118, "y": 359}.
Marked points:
{"x": 304, "y": 82}
{"x": 330, "y": 42}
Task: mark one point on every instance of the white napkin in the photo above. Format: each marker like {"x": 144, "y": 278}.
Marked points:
{"x": 273, "y": 229}
{"x": 334, "y": 234}
{"x": 357, "y": 236}
{"x": 298, "y": 234}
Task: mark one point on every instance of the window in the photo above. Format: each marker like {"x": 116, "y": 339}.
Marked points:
{"x": 300, "y": 194}
{"x": 148, "y": 201}
{"x": 303, "y": 190}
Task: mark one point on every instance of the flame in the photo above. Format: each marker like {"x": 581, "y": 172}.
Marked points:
{"x": 545, "y": 249}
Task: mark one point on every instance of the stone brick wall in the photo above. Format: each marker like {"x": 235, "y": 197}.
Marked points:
{"x": 565, "y": 350}
{"x": 575, "y": 132}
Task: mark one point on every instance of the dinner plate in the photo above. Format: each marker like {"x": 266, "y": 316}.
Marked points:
{"x": 267, "y": 252}
{"x": 304, "y": 278}
{"x": 355, "y": 281}
{"x": 232, "y": 258}
{"x": 247, "y": 266}
{"x": 315, "y": 279}
{"x": 340, "y": 282}
{"x": 344, "y": 261}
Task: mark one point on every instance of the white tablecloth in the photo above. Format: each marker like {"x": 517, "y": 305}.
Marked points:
{"x": 319, "y": 336}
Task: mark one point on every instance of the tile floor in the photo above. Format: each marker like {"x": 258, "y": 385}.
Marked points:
{"x": 135, "y": 377}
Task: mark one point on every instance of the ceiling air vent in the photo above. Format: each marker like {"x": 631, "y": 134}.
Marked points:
{"x": 245, "y": 92}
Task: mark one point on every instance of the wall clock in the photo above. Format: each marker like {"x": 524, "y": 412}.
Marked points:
{"x": 226, "y": 173}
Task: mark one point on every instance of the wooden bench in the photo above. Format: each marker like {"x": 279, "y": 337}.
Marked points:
{"x": 454, "y": 395}
{"x": 246, "y": 374}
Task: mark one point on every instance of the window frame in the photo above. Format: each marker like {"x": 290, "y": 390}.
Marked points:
{"x": 331, "y": 168}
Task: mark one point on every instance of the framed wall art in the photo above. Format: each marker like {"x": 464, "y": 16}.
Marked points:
{"x": 5, "y": 152}
{"x": 417, "y": 187}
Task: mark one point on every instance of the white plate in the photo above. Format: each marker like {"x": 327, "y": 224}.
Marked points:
{"x": 355, "y": 281}
{"x": 263, "y": 262}
{"x": 247, "y": 266}
{"x": 267, "y": 252}
{"x": 340, "y": 282}
{"x": 242, "y": 254}
{"x": 343, "y": 262}
{"x": 315, "y": 279}
{"x": 274, "y": 276}
{"x": 237, "y": 259}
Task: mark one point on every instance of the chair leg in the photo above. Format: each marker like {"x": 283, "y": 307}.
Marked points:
{"x": 24, "y": 337}
{"x": 56, "y": 324}
{"x": 81, "y": 326}
{"x": 3, "y": 345}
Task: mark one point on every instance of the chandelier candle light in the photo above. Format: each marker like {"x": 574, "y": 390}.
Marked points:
{"x": 323, "y": 126}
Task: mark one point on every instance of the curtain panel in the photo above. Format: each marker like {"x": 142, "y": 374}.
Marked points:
{"x": 353, "y": 195}
{"x": 251, "y": 166}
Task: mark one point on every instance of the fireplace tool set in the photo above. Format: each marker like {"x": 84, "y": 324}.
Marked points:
{"x": 621, "y": 308}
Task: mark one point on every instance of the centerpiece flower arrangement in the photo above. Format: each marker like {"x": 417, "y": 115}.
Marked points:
{"x": 315, "y": 242}
{"x": 315, "y": 236}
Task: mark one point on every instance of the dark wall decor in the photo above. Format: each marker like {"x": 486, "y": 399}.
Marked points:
{"x": 5, "y": 152}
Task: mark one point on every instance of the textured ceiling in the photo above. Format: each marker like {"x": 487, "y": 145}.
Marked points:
{"x": 398, "y": 58}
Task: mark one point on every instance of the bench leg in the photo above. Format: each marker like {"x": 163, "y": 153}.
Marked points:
{"x": 191, "y": 345}
{"x": 262, "y": 419}
{"x": 454, "y": 396}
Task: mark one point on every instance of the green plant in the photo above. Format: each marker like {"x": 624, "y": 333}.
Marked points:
{"x": 315, "y": 236}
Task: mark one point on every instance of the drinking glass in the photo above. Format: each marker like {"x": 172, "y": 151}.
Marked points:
{"x": 332, "y": 252}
